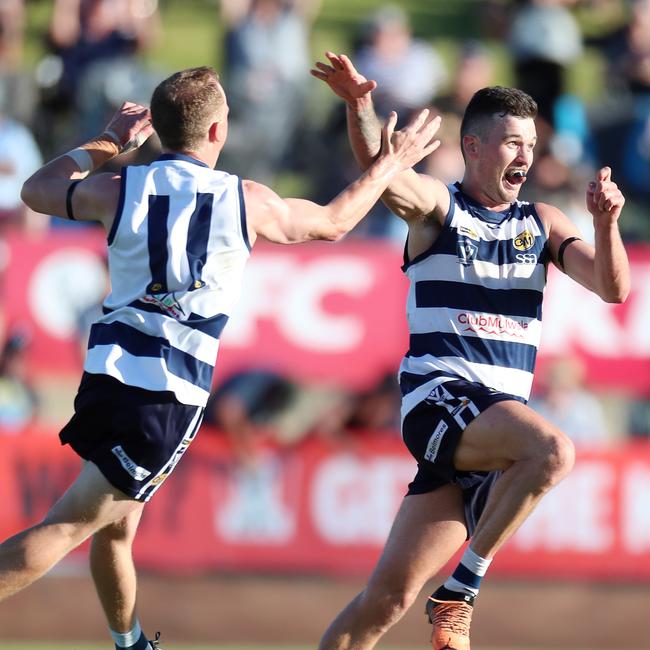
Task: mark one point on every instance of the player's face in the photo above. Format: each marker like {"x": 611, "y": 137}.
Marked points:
{"x": 505, "y": 155}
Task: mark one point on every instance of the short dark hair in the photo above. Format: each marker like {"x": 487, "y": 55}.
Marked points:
{"x": 495, "y": 100}
{"x": 184, "y": 105}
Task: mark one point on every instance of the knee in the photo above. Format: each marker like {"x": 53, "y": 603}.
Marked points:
{"x": 556, "y": 457}
{"x": 388, "y": 605}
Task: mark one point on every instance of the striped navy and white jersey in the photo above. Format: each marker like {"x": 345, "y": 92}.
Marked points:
{"x": 474, "y": 305}
{"x": 176, "y": 255}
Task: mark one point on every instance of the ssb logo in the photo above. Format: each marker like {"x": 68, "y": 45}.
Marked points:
{"x": 524, "y": 241}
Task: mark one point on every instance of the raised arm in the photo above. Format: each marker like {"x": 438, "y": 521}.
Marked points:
{"x": 55, "y": 189}
{"x": 289, "y": 221}
{"x": 410, "y": 195}
{"x": 604, "y": 267}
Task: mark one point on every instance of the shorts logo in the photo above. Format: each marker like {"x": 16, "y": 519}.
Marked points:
{"x": 439, "y": 395}
{"x": 524, "y": 241}
{"x": 137, "y": 472}
{"x": 466, "y": 251}
{"x": 434, "y": 441}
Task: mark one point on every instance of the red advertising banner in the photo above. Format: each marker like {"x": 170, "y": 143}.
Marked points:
{"x": 318, "y": 312}
{"x": 327, "y": 508}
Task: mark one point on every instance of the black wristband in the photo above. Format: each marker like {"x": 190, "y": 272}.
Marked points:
{"x": 560, "y": 252}
{"x": 68, "y": 198}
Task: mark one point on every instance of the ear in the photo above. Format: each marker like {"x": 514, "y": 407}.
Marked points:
{"x": 216, "y": 132}
{"x": 471, "y": 145}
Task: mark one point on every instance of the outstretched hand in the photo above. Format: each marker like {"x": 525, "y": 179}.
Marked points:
{"x": 343, "y": 78}
{"x": 412, "y": 143}
{"x": 130, "y": 127}
{"x": 604, "y": 200}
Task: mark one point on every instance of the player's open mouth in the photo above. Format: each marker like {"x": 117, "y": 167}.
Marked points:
{"x": 515, "y": 177}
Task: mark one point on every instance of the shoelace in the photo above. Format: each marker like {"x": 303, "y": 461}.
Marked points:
{"x": 455, "y": 617}
{"x": 155, "y": 644}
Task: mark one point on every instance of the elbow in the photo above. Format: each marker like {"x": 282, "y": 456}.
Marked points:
{"x": 28, "y": 193}
{"x": 616, "y": 296}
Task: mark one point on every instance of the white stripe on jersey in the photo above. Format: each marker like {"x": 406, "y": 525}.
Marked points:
{"x": 487, "y": 274}
{"x": 519, "y": 329}
{"x": 148, "y": 371}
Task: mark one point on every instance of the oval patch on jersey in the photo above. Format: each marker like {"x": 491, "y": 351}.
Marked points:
{"x": 524, "y": 241}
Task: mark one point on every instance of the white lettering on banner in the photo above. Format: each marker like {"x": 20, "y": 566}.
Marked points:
{"x": 253, "y": 510}
{"x": 577, "y": 515}
{"x": 574, "y": 316}
{"x": 354, "y": 500}
{"x": 64, "y": 284}
{"x": 635, "y": 508}
{"x": 291, "y": 293}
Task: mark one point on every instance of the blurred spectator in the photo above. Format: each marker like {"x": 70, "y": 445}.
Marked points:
{"x": 474, "y": 70}
{"x": 623, "y": 124}
{"x": 18, "y": 401}
{"x": 567, "y": 403}
{"x": 19, "y": 158}
{"x": 639, "y": 419}
{"x": 408, "y": 71}
{"x": 12, "y": 23}
{"x": 377, "y": 409}
{"x": 94, "y": 45}
{"x": 267, "y": 64}
{"x": 253, "y": 406}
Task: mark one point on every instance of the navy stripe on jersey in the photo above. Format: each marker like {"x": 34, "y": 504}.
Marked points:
{"x": 183, "y": 158}
{"x": 409, "y": 381}
{"x": 179, "y": 363}
{"x": 157, "y": 243}
{"x": 120, "y": 207}
{"x": 506, "y": 354}
{"x": 212, "y": 326}
{"x": 198, "y": 234}
{"x": 242, "y": 214}
{"x": 526, "y": 303}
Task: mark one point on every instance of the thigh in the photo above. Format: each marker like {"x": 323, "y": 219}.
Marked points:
{"x": 93, "y": 503}
{"x": 504, "y": 433}
{"x": 428, "y": 529}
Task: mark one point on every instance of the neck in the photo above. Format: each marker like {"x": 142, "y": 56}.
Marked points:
{"x": 480, "y": 195}
{"x": 210, "y": 159}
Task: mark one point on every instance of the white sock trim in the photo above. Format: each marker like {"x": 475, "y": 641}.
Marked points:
{"x": 475, "y": 563}
{"x": 129, "y": 638}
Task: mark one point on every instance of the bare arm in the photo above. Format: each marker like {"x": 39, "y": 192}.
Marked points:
{"x": 603, "y": 268}
{"x": 410, "y": 195}
{"x": 289, "y": 221}
{"x": 94, "y": 199}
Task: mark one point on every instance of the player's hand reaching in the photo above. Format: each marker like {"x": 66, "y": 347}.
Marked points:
{"x": 342, "y": 77}
{"x": 604, "y": 200}
{"x": 412, "y": 143}
{"x": 130, "y": 127}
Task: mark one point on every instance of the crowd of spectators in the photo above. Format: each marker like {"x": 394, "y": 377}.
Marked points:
{"x": 96, "y": 56}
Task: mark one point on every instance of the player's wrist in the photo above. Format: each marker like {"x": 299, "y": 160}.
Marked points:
{"x": 360, "y": 104}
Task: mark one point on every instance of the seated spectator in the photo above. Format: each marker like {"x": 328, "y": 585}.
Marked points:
{"x": 569, "y": 405}
{"x": 18, "y": 401}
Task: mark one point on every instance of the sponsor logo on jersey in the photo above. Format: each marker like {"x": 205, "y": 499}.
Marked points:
{"x": 526, "y": 258}
{"x": 435, "y": 440}
{"x": 137, "y": 472}
{"x": 464, "y": 230}
{"x": 466, "y": 251}
{"x": 492, "y": 324}
{"x": 524, "y": 241}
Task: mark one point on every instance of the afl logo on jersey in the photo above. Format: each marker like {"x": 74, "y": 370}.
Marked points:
{"x": 524, "y": 241}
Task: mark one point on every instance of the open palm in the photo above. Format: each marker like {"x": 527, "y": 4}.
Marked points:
{"x": 343, "y": 78}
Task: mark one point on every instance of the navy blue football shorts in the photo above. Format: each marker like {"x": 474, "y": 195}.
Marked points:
{"x": 135, "y": 437}
{"x": 432, "y": 432}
